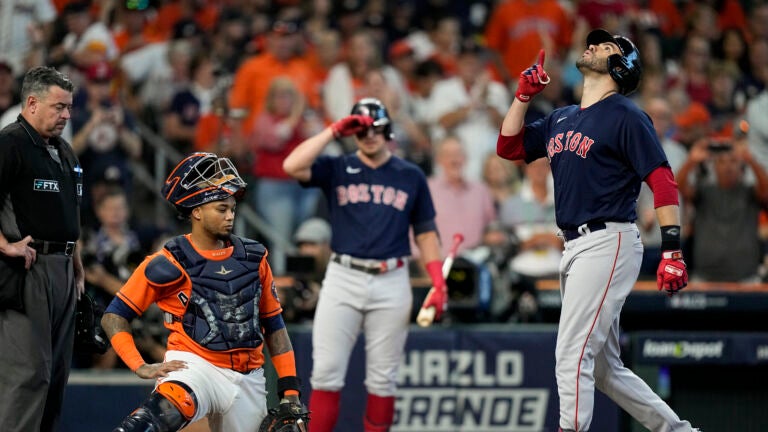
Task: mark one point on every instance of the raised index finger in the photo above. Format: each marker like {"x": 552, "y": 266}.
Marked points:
{"x": 541, "y": 58}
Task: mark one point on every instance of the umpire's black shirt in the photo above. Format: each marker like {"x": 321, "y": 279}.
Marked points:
{"x": 42, "y": 193}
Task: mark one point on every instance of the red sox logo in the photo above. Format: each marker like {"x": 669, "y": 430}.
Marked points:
{"x": 571, "y": 141}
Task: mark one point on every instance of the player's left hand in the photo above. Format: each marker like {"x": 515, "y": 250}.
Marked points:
{"x": 672, "y": 274}
{"x": 438, "y": 295}
{"x": 159, "y": 370}
{"x": 532, "y": 80}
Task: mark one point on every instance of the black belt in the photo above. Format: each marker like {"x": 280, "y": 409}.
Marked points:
{"x": 53, "y": 247}
{"x": 574, "y": 234}
{"x": 373, "y": 267}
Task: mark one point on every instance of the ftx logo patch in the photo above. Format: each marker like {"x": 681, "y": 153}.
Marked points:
{"x": 46, "y": 185}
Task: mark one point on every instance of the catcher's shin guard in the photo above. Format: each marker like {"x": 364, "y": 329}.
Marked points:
{"x": 168, "y": 409}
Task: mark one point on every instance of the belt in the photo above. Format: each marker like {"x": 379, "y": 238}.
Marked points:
{"x": 374, "y": 267}
{"x": 583, "y": 230}
{"x": 53, "y": 247}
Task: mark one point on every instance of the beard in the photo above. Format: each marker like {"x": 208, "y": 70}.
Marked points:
{"x": 593, "y": 64}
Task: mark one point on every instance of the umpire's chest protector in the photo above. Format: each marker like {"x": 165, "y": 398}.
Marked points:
{"x": 222, "y": 313}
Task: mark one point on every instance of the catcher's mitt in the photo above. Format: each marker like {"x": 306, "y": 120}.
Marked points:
{"x": 287, "y": 417}
{"x": 89, "y": 336}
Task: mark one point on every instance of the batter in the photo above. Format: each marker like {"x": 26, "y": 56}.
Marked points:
{"x": 600, "y": 152}
{"x": 373, "y": 197}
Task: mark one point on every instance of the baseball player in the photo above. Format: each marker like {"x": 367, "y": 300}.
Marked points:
{"x": 373, "y": 197}
{"x": 221, "y": 308}
{"x": 600, "y": 152}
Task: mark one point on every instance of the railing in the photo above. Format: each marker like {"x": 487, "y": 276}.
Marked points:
{"x": 165, "y": 155}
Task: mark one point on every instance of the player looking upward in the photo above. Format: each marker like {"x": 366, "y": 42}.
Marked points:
{"x": 373, "y": 197}
{"x": 600, "y": 151}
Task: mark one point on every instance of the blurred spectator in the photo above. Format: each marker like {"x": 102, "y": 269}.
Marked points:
{"x": 326, "y": 54}
{"x": 132, "y": 28}
{"x": 755, "y": 80}
{"x": 169, "y": 75}
{"x": 724, "y": 106}
{"x": 307, "y": 269}
{"x": 470, "y": 106}
{"x": 612, "y": 15}
{"x": 667, "y": 18}
{"x": 110, "y": 254}
{"x": 726, "y": 246}
{"x": 189, "y": 103}
{"x": 501, "y": 177}
{"x": 26, "y": 25}
{"x": 426, "y": 75}
{"x": 732, "y": 48}
{"x": 661, "y": 114}
{"x": 283, "y": 57}
{"x": 203, "y": 13}
{"x": 758, "y": 16}
{"x": 231, "y": 40}
{"x": 757, "y": 123}
{"x": 462, "y": 205}
{"x": 444, "y": 40}
{"x": 693, "y": 73}
{"x": 281, "y": 127}
{"x": 530, "y": 215}
{"x": 87, "y": 42}
{"x": 349, "y": 17}
{"x": 104, "y": 138}
{"x": 9, "y": 93}
{"x": 518, "y": 29}
{"x": 701, "y": 22}
{"x": 692, "y": 124}
{"x": 219, "y": 132}
{"x": 346, "y": 80}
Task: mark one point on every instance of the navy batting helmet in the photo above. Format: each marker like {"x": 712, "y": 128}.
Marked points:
{"x": 201, "y": 178}
{"x": 373, "y": 108}
{"x": 625, "y": 69}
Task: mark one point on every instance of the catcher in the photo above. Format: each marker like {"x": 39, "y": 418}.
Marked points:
{"x": 221, "y": 307}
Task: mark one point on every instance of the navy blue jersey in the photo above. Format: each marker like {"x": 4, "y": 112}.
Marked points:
{"x": 599, "y": 157}
{"x": 371, "y": 210}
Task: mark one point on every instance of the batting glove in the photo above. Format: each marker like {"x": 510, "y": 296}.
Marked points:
{"x": 672, "y": 274}
{"x": 351, "y": 125}
{"x": 532, "y": 80}
{"x": 438, "y": 295}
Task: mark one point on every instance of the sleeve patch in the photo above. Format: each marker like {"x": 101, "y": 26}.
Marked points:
{"x": 160, "y": 271}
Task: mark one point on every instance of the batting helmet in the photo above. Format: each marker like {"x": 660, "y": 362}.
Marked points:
{"x": 625, "y": 69}
{"x": 376, "y": 110}
{"x": 201, "y": 178}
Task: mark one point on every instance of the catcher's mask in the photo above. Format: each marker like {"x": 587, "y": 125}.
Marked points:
{"x": 625, "y": 69}
{"x": 202, "y": 178}
{"x": 376, "y": 110}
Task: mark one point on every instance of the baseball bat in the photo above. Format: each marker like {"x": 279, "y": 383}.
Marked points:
{"x": 427, "y": 315}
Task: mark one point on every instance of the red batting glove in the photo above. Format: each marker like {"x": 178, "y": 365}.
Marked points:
{"x": 672, "y": 274}
{"x": 351, "y": 125}
{"x": 438, "y": 295}
{"x": 532, "y": 80}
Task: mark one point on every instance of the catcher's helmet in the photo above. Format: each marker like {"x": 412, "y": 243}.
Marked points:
{"x": 373, "y": 108}
{"x": 625, "y": 69}
{"x": 201, "y": 178}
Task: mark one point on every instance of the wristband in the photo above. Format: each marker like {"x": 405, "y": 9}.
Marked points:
{"x": 288, "y": 386}
{"x": 670, "y": 237}
{"x": 125, "y": 347}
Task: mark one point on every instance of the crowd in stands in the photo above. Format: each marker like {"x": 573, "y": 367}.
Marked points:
{"x": 251, "y": 79}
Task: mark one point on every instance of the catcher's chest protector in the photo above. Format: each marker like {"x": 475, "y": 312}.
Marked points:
{"x": 222, "y": 313}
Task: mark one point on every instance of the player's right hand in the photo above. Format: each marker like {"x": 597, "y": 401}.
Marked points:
{"x": 351, "y": 125}
{"x": 532, "y": 80}
{"x": 672, "y": 274}
{"x": 158, "y": 370}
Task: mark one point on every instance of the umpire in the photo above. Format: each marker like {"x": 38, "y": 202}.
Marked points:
{"x": 41, "y": 274}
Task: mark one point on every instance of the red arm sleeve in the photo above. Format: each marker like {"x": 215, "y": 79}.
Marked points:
{"x": 511, "y": 147}
{"x": 662, "y": 183}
